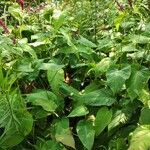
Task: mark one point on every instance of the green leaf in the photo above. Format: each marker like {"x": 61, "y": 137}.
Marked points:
{"x": 46, "y": 99}
{"x": 55, "y": 76}
{"x": 102, "y": 66}
{"x": 86, "y": 42}
{"x": 140, "y": 39}
{"x": 27, "y": 48}
{"x": 98, "y": 98}
{"x": 45, "y": 145}
{"x": 59, "y": 21}
{"x": 145, "y": 116}
{"x": 16, "y": 12}
{"x": 1, "y": 75}
{"x": 63, "y": 133}
{"x": 79, "y": 111}
{"x": 118, "y": 144}
{"x": 116, "y": 78}
{"x": 103, "y": 118}
{"x": 67, "y": 90}
{"x": 15, "y": 119}
{"x": 119, "y": 117}
{"x": 92, "y": 87}
{"x": 137, "y": 81}
{"x": 140, "y": 138}
{"x": 145, "y": 97}
{"x": 120, "y": 19}
{"x": 68, "y": 38}
{"x": 105, "y": 44}
{"x": 86, "y": 133}
{"x": 129, "y": 48}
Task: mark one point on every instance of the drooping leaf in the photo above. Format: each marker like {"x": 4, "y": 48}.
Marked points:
{"x": 140, "y": 138}
{"x": 68, "y": 38}
{"x": 116, "y": 78}
{"x": 27, "y": 48}
{"x": 103, "y": 118}
{"x": 46, "y": 99}
{"x": 79, "y": 111}
{"x": 63, "y": 133}
{"x": 15, "y": 119}
{"x": 86, "y": 133}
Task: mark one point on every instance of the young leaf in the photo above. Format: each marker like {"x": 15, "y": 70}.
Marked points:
{"x": 79, "y": 111}
{"x": 86, "y": 133}
{"x": 140, "y": 138}
{"x": 63, "y": 133}
{"x": 116, "y": 78}
{"x": 103, "y": 118}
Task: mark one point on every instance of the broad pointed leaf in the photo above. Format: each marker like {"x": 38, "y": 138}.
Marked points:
{"x": 116, "y": 78}
{"x": 15, "y": 119}
{"x": 145, "y": 116}
{"x": 86, "y": 133}
{"x": 63, "y": 133}
{"x": 86, "y": 42}
{"x": 79, "y": 111}
{"x": 45, "y": 145}
{"x": 137, "y": 81}
{"x": 102, "y": 66}
{"x": 103, "y": 118}
{"x": 98, "y": 98}
{"x": 55, "y": 76}
{"x": 46, "y": 99}
{"x": 140, "y": 138}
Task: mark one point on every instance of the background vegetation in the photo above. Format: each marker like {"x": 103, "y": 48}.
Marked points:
{"x": 74, "y": 75}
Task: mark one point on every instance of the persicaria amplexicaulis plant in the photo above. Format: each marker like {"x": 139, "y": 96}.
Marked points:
{"x": 120, "y": 6}
{"x": 21, "y": 3}
{"x": 5, "y": 28}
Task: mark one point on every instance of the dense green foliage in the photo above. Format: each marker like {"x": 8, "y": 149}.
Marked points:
{"x": 74, "y": 75}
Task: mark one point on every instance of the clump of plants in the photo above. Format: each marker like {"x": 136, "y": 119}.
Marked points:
{"x": 74, "y": 75}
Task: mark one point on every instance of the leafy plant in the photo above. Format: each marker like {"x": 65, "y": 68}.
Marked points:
{"x": 74, "y": 75}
